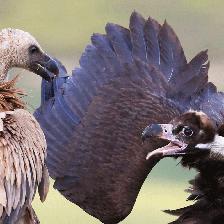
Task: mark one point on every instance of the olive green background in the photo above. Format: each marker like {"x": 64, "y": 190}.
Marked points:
{"x": 63, "y": 28}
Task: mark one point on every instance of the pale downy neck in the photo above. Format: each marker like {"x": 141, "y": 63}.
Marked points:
{"x": 5, "y": 65}
{"x": 7, "y": 52}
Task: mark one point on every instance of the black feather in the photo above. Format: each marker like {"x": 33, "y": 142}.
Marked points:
{"x": 93, "y": 119}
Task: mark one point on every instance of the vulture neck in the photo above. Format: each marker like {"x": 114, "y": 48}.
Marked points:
{"x": 4, "y": 68}
{"x": 8, "y": 53}
{"x": 6, "y": 63}
{"x": 10, "y": 96}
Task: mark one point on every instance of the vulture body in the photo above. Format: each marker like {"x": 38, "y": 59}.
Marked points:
{"x": 93, "y": 119}
{"x": 22, "y": 142}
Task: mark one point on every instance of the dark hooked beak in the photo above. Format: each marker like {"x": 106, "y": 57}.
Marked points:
{"x": 44, "y": 66}
{"x": 151, "y": 131}
{"x": 174, "y": 147}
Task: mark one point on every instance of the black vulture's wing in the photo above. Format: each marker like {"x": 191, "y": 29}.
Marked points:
{"x": 93, "y": 119}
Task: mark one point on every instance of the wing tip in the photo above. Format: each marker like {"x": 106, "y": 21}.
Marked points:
{"x": 136, "y": 16}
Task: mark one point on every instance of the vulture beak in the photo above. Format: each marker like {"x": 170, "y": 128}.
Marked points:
{"x": 44, "y": 66}
{"x": 174, "y": 148}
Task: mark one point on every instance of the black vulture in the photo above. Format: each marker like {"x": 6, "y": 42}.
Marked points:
{"x": 22, "y": 142}
{"x": 93, "y": 119}
{"x": 195, "y": 138}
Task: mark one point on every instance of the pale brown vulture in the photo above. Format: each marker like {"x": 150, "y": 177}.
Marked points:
{"x": 128, "y": 78}
{"x": 22, "y": 142}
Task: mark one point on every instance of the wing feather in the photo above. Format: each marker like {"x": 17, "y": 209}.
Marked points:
{"x": 172, "y": 58}
{"x": 151, "y": 30}
{"x": 120, "y": 40}
{"x": 137, "y": 23}
{"x": 93, "y": 121}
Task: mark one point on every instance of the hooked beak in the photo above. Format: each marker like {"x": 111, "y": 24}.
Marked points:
{"x": 44, "y": 66}
{"x": 174, "y": 148}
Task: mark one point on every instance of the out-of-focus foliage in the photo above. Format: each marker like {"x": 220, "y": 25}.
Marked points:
{"x": 63, "y": 28}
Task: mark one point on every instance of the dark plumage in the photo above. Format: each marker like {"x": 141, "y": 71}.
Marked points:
{"x": 92, "y": 120}
{"x": 194, "y": 137}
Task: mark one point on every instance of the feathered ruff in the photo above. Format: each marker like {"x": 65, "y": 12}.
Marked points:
{"x": 10, "y": 96}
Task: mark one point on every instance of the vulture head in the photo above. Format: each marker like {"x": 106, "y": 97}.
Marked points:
{"x": 192, "y": 136}
{"x": 20, "y": 49}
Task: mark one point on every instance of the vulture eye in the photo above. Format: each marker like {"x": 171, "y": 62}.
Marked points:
{"x": 187, "y": 131}
{"x": 33, "y": 49}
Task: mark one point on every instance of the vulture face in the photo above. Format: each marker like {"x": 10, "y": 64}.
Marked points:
{"x": 192, "y": 133}
{"x": 40, "y": 63}
{"x": 20, "y": 49}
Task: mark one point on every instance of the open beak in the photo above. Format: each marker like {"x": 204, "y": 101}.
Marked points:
{"x": 44, "y": 66}
{"x": 174, "y": 148}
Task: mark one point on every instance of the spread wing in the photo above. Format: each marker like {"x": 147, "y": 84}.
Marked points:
{"x": 93, "y": 119}
{"x": 22, "y": 155}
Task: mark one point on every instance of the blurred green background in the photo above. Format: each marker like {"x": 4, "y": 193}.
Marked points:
{"x": 63, "y": 28}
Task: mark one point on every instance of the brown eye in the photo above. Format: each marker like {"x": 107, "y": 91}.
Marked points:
{"x": 33, "y": 49}
{"x": 188, "y": 131}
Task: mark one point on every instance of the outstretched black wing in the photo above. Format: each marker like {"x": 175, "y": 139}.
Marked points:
{"x": 93, "y": 119}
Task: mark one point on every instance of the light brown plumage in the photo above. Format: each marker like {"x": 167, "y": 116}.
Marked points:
{"x": 22, "y": 142}
{"x": 22, "y": 170}
{"x": 10, "y": 96}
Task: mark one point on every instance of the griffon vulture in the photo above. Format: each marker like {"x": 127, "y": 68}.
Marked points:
{"x": 22, "y": 142}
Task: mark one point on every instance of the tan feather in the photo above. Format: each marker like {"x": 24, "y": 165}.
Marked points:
{"x": 3, "y": 200}
{"x": 10, "y": 96}
{"x": 43, "y": 187}
{"x": 17, "y": 197}
{"x": 1, "y": 210}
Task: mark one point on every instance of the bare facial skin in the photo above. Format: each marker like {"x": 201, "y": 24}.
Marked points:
{"x": 189, "y": 133}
